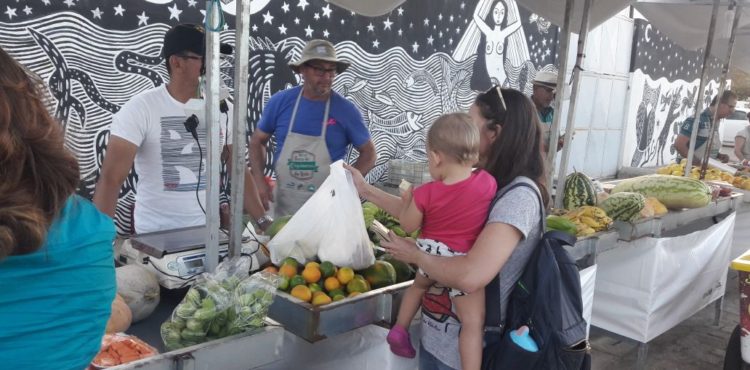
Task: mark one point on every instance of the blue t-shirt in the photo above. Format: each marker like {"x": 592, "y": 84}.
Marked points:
{"x": 55, "y": 302}
{"x": 345, "y": 123}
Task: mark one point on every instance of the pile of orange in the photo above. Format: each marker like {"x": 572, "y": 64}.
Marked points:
{"x": 319, "y": 283}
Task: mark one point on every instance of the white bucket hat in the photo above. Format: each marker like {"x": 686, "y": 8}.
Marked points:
{"x": 319, "y": 50}
{"x": 546, "y": 79}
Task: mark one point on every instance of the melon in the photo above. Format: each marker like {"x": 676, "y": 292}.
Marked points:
{"x": 277, "y": 225}
{"x": 139, "y": 288}
{"x": 120, "y": 318}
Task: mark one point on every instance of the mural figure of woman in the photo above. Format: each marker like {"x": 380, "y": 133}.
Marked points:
{"x": 495, "y": 41}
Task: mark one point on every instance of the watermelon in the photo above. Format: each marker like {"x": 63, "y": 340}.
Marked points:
{"x": 579, "y": 191}
{"x": 624, "y": 206}
{"x": 674, "y": 192}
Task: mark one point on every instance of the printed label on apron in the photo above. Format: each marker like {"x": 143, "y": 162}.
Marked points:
{"x": 302, "y": 165}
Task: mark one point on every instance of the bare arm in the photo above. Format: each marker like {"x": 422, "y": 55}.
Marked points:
{"x": 468, "y": 273}
{"x": 117, "y": 163}
{"x": 251, "y": 201}
{"x": 258, "y": 144}
{"x": 510, "y": 29}
{"x": 367, "y": 157}
{"x": 739, "y": 143}
{"x": 681, "y": 146}
{"x": 480, "y": 22}
{"x": 388, "y": 202}
{"x": 410, "y": 217}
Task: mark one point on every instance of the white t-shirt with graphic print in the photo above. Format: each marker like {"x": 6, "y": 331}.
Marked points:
{"x": 166, "y": 162}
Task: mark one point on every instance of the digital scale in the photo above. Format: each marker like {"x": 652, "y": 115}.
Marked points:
{"x": 178, "y": 256}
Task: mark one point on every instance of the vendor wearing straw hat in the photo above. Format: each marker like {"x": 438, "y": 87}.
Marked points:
{"x": 313, "y": 126}
{"x": 543, "y": 94}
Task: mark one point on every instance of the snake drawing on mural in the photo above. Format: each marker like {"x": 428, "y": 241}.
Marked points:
{"x": 123, "y": 64}
{"x": 60, "y": 83}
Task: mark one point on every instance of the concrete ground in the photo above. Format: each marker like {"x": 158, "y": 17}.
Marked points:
{"x": 694, "y": 344}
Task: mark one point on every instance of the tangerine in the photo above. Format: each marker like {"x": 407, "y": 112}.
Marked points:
{"x": 288, "y": 270}
{"x": 311, "y": 274}
{"x": 345, "y": 275}
{"x": 331, "y": 284}
{"x": 302, "y": 292}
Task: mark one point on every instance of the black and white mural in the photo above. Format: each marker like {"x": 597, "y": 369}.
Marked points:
{"x": 425, "y": 58}
{"x": 664, "y": 83}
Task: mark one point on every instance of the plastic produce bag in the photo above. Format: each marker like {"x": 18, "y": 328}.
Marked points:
{"x": 224, "y": 303}
{"x": 252, "y": 298}
{"x": 329, "y": 225}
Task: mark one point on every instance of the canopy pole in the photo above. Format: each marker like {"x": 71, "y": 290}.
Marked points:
{"x": 701, "y": 86}
{"x": 722, "y": 84}
{"x": 570, "y": 126}
{"x": 213, "y": 143}
{"x": 239, "y": 125}
{"x": 563, "y": 62}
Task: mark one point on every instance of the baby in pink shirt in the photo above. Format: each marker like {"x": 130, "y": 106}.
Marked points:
{"x": 451, "y": 212}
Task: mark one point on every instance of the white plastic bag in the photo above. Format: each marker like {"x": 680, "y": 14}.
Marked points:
{"x": 330, "y": 225}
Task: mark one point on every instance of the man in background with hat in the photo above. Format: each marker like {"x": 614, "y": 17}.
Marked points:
{"x": 153, "y": 130}
{"x": 543, "y": 94}
{"x": 313, "y": 126}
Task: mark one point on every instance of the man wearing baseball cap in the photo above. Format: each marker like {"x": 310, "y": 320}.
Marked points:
{"x": 313, "y": 126}
{"x": 543, "y": 94}
{"x": 154, "y": 132}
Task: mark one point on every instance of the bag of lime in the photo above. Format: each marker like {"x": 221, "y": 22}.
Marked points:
{"x": 219, "y": 305}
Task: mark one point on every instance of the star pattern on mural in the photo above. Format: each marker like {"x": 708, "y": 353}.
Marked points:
{"x": 658, "y": 56}
{"x": 418, "y": 32}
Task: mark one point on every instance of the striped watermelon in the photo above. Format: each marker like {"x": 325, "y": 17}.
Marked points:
{"x": 579, "y": 191}
{"x": 674, "y": 192}
{"x": 624, "y": 206}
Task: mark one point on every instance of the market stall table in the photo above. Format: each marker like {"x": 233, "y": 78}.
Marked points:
{"x": 677, "y": 266}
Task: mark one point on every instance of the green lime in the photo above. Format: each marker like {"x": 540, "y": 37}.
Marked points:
{"x": 284, "y": 283}
{"x": 290, "y": 261}
{"x": 328, "y": 269}
{"x": 314, "y": 287}
{"x": 296, "y": 280}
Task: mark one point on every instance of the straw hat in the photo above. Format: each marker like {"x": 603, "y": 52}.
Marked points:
{"x": 546, "y": 79}
{"x": 319, "y": 50}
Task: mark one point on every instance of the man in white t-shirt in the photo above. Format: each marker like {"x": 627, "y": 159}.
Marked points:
{"x": 151, "y": 130}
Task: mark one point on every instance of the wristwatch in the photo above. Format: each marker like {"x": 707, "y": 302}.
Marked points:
{"x": 264, "y": 221}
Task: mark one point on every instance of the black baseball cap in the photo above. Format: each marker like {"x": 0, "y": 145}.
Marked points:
{"x": 188, "y": 37}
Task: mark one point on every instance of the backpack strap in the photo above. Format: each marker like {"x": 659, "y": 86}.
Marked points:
{"x": 493, "y": 321}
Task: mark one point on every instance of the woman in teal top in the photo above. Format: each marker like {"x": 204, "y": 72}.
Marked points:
{"x": 57, "y": 277}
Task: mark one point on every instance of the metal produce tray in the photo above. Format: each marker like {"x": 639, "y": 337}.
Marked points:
{"x": 586, "y": 249}
{"x": 379, "y": 306}
{"x": 655, "y": 226}
{"x": 745, "y": 194}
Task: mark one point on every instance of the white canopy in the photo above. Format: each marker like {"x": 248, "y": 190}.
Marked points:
{"x": 554, "y": 11}
{"x": 369, "y": 8}
{"x": 686, "y": 23}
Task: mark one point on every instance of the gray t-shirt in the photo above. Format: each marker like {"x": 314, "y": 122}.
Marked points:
{"x": 440, "y": 326}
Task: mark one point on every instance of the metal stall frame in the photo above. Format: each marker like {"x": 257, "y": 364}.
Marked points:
{"x": 570, "y": 126}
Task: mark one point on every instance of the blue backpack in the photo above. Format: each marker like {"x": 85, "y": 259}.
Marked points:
{"x": 547, "y": 299}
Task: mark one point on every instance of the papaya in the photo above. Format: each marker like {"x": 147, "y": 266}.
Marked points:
{"x": 404, "y": 271}
{"x": 277, "y": 225}
{"x": 380, "y": 274}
